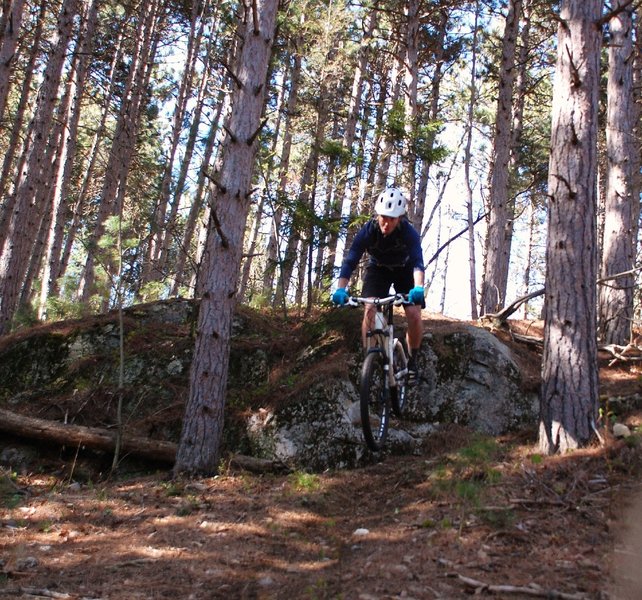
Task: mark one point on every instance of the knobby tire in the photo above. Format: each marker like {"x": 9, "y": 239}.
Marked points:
{"x": 375, "y": 408}
{"x": 398, "y": 394}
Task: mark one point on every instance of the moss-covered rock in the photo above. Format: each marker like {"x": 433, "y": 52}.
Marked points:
{"x": 292, "y": 387}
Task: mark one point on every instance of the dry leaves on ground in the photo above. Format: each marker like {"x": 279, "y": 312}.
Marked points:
{"x": 471, "y": 515}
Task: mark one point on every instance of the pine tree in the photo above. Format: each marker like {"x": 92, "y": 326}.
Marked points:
{"x": 199, "y": 447}
{"x": 569, "y": 396}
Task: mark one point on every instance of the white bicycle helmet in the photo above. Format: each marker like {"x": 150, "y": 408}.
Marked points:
{"x": 391, "y": 203}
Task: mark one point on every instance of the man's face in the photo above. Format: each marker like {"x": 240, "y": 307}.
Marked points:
{"x": 387, "y": 224}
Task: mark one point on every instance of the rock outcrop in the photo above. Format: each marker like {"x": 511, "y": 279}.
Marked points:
{"x": 293, "y": 385}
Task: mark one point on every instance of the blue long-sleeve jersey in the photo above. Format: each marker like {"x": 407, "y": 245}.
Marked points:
{"x": 400, "y": 248}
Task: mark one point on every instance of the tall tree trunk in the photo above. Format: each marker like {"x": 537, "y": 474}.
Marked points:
{"x": 411, "y": 79}
{"x": 432, "y": 115}
{"x": 189, "y": 253}
{"x": 526, "y": 279}
{"x": 199, "y": 447}
{"x": 64, "y": 211}
{"x": 8, "y": 171}
{"x": 344, "y": 189}
{"x": 274, "y": 240}
{"x": 622, "y": 195}
{"x": 160, "y": 225}
{"x": 501, "y": 211}
{"x": 26, "y": 218}
{"x": 186, "y": 273}
{"x": 244, "y": 293}
{"x": 10, "y": 27}
{"x": 171, "y": 233}
{"x": 363, "y": 201}
{"x": 87, "y": 178}
{"x": 49, "y": 196}
{"x": 569, "y": 401}
{"x": 467, "y": 160}
{"x": 386, "y": 150}
{"x": 294, "y": 235}
{"x": 521, "y": 84}
{"x": 124, "y": 141}
{"x": 306, "y": 192}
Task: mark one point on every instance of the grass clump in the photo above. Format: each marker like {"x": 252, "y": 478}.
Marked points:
{"x": 467, "y": 475}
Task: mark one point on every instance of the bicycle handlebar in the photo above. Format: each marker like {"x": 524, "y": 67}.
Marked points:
{"x": 395, "y": 300}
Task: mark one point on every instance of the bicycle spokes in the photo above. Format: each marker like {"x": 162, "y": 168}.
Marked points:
{"x": 400, "y": 370}
{"x": 375, "y": 411}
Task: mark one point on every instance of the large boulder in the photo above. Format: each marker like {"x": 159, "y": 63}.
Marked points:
{"x": 472, "y": 379}
{"x": 468, "y": 377}
{"x": 292, "y": 390}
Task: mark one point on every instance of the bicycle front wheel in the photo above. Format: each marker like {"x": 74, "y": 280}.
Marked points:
{"x": 375, "y": 408}
{"x": 399, "y": 365}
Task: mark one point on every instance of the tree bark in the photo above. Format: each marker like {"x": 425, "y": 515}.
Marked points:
{"x": 125, "y": 137}
{"x": 467, "y": 161}
{"x": 272, "y": 249}
{"x": 569, "y": 397}
{"x": 25, "y": 220}
{"x": 161, "y": 226}
{"x": 8, "y": 44}
{"x": 79, "y": 435}
{"x": 54, "y": 266}
{"x": 500, "y": 225}
{"x": 622, "y": 196}
{"x": 411, "y": 83}
{"x": 9, "y": 170}
{"x": 199, "y": 447}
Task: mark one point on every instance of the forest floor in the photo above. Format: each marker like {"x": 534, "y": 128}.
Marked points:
{"x": 469, "y": 515}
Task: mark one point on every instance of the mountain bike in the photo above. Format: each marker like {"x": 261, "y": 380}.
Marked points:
{"x": 384, "y": 373}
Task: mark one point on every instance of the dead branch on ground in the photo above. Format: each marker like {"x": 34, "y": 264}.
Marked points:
{"x": 104, "y": 439}
{"x": 530, "y": 590}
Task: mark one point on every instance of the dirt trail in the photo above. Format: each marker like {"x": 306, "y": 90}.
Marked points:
{"x": 470, "y": 515}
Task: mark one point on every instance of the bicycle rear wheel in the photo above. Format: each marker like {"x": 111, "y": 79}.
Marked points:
{"x": 375, "y": 408}
{"x": 399, "y": 363}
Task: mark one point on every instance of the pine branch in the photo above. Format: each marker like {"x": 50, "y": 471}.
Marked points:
{"x": 614, "y": 12}
{"x": 213, "y": 179}
{"x": 219, "y": 229}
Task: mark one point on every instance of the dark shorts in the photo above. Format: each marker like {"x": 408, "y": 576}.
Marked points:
{"x": 377, "y": 281}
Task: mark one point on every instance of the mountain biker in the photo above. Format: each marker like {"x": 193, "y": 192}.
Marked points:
{"x": 396, "y": 259}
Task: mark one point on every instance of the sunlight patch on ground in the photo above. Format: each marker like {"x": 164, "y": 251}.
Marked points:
{"x": 303, "y": 566}
{"x": 290, "y": 518}
{"x": 627, "y": 556}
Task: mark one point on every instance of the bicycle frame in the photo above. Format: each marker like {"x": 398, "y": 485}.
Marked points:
{"x": 382, "y": 386}
{"x": 380, "y": 338}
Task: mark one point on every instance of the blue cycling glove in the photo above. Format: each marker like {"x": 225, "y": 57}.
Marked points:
{"x": 340, "y": 297}
{"x": 416, "y": 295}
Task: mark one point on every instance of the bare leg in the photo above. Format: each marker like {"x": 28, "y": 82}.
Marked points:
{"x": 368, "y": 323}
{"x": 415, "y": 331}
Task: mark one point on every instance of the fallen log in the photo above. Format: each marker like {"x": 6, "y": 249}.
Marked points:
{"x": 258, "y": 465}
{"x": 531, "y": 590}
{"x": 79, "y": 435}
{"x": 104, "y": 439}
